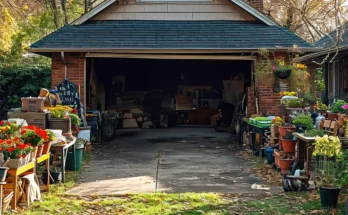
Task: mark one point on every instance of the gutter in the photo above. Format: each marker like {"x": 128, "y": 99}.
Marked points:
{"x": 171, "y": 51}
{"x": 320, "y": 54}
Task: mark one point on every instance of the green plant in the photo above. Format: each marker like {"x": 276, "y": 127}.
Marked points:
{"x": 51, "y": 136}
{"x": 75, "y": 120}
{"x": 319, "y": 81}
{"x": 310, "y": 98}
{"x": 304, "y": 119}
{"x": 328, "y": 150}
{"x": 313, "y": 133}
{"x": 296, "y": 103}
{"x": 321, "y": 105}
{"x": 338, "y": 107}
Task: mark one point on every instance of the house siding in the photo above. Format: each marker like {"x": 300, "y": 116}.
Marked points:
{"x": 210, "y": 10}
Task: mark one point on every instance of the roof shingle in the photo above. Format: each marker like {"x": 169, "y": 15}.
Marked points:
{"x": 171, "y": 35}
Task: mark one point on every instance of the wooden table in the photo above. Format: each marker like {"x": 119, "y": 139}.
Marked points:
{"x": 63, "y": 149}
{"x": 304, "y": 149}
{"x": 16, "y": 172}
{"x": 25, "y": 170}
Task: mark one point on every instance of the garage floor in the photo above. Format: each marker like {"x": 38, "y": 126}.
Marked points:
{"x": 192, "y": 160}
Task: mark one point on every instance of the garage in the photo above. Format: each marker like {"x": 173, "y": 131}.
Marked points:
{"x": 168, "y": 91}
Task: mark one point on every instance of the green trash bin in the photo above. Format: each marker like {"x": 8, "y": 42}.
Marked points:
{"x": 70, "y": 159}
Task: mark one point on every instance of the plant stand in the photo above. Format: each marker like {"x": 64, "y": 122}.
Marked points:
{"x": 304, "y": 150}
{"x": 63, "y": 149}
{"x": 1, "y": 193}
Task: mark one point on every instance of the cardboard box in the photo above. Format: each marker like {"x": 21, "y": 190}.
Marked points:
{"x": 37, "y": 119}
{"x": 31, "y": 104}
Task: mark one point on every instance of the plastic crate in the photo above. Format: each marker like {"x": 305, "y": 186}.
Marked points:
{"x": 264, "y": 124}
{"x": 252, "y": 121}
{"x": 261, "y": 119}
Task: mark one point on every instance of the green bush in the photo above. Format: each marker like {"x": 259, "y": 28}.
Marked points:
{"x": 304, "y": 119}
{"x": 338, "y": 107}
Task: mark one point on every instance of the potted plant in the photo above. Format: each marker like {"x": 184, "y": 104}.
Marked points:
{"x": 328, "y": 151}
{"x": 296, "y": 103}
{"x": 75, "y": 122}
{"x": 30, "y": 137}
{"x": 288, "y": 143}
{"x": 313, "y": 133}
{"x": 59, "y": 118}
{"x": 335, "y": 109}
{"x": 282, "y": 132}
{"x": 285, "y": 96}
{"x": 47, "y": 144}
{"x": 321, "y": 107}
{"x": 310, "y": 98}
{"x": 282, "y": 70}
{"x": 16, "y": 151}
{"x": 303, "y": 121}
{"x": 8, "y": 129}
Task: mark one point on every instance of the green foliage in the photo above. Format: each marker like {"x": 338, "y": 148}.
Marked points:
{"x": 310, "y": 98}
{"x": 338, "y": 106}
{"x": 21, "y": 81}
{"x": 319, "y": 81}
{"x": 295, "y": 103}
{"x": 75, "y": 120}
{"x": 321, "y": 105}
{"x": 304, "y": 119}
{"x": 313, "y": 133}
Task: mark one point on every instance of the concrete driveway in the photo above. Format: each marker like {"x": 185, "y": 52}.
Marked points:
{"x": 192, "y": 160}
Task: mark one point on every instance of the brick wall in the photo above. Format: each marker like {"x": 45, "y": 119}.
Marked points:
{"x": 75, "y": 70}
{"x": 268, "y": 100}
{"x": 257, "y": 4}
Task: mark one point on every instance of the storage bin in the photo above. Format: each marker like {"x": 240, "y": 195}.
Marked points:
{"x": 60, "y": 124}
{"x": 32, "y": 104}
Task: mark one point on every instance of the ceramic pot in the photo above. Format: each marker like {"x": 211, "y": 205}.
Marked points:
{"x": 46, "y": 147}
{"x": 332, "y": 116}
{"x": 285, "y": 164}
{"x": 289, "y": 146}
{"x": 39, "y": 151}
{"x": 35, "y": 148}
{"x": 282, "y": 133}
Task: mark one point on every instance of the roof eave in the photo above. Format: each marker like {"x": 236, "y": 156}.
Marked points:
{"x": 262, "y": 17}
{"x": 319, "y": 54}
{"x": 167, "y": 50}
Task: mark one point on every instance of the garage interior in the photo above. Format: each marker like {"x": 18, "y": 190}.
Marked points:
{"x": 151, "y": 93}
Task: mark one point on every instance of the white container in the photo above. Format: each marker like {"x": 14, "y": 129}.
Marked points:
{"x": 58, "y": 134}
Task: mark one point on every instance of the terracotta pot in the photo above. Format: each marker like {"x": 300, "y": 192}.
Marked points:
{"x": 276, "y": 157}
{"x": 332, "y": 116}
{"x": 282, "y": 133}
{"x": 35, "y": 148}
{"x": 285, "y": 164}
{"x": 46, "y": 147}
{"x": 289, "y": 146}
{"x": 39, "y": 151}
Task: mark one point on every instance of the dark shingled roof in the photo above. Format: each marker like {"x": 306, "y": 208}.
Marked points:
{"x": 327, "y": 42}
{"x": 143, "y": 34}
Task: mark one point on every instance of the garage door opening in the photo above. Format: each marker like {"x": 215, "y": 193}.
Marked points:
{"x": 166, "y": 92}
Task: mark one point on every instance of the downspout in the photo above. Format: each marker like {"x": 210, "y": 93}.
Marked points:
{"x": 65, "y": 65}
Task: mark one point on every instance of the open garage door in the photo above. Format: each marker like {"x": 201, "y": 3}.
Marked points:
{"x": 188, "y": 91}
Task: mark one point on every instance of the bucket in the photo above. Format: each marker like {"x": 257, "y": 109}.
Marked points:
{"x": 329, "y": 196}
{"x": 78, "y": 161}
{"x": 269, "y": 154}
{"x": 55, "y": 177}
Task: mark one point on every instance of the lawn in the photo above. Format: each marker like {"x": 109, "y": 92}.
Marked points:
{"x": 57, "y": 202}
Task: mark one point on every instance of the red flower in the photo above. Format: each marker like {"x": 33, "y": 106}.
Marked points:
{"x": 11, "y": 149}
{"x": 8, "y": 123}
{"x": 8, "y": 142}
{"x": 2, "y": 122}
{"x": 23, "y": 132}
{"x": 23, "y": 156}
{"x": 29, "y": 144}
{"x": 21, "y": 146}
{"x": 18, "y": 156}
{"x": 1, "y": 141}
{"x": 16, "y": 139}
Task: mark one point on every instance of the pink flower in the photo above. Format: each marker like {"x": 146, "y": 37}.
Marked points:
{"x": 274, "y": 67}
{"x": 345, "y": 107}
